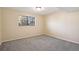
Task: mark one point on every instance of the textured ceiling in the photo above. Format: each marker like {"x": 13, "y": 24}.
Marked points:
{"x": 47, "y": 10}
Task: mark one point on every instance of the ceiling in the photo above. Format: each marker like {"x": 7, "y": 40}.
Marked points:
{"x": 47, "y": 10}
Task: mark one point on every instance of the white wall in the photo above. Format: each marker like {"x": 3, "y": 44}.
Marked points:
{"x": 63, "y": 25}
{"x": 12, "y": 31}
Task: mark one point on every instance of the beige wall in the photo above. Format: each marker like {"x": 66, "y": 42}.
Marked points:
{"x": 63, "y": 25}
{"x": 12, "y": 31}
{"x": 0, "y": 26}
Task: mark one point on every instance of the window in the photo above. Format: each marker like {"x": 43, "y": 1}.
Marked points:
{"x": 26, "y": 21}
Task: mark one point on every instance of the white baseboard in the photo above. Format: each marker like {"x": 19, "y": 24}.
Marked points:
{"x": 21, "y": 38}
{"x": 62, "y": 38}
{"x": 42, "y": 34}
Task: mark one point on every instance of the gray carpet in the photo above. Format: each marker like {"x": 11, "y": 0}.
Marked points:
{"x": 39, "y": 43}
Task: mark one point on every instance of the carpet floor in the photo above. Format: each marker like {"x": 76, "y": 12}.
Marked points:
{"x": 39, "y": 43}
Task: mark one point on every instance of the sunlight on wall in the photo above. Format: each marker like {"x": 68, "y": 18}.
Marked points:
{"x": 63, "y": 25}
